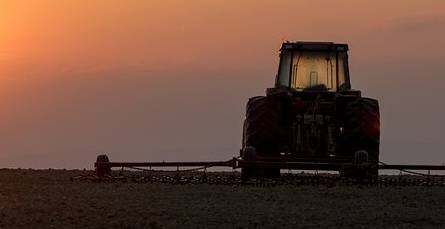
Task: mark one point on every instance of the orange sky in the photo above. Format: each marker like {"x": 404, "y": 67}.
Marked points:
{"x": 64, "y": 65}
{"x": 84, "y": 36}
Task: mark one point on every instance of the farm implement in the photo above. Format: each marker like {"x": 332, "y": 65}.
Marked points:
{"x": 296, "y": 173}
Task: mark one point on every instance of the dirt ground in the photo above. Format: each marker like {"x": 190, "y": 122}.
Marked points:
{"x": 48, "y": 199}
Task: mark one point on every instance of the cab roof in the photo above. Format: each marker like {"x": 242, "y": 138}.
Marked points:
{"x": 314, "y": 46}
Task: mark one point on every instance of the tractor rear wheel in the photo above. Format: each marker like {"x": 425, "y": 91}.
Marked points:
{"x": 261, "y": 133}
{"x": 362, "y": 131}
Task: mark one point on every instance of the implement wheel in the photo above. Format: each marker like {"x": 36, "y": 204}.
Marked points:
{"x": 103, "y": 170}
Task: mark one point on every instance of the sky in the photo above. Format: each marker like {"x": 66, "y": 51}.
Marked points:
{"x": 168, "y": 80}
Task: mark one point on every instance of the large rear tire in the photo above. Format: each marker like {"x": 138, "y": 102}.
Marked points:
{"x": 262, "y": 132}
{"x": 362, "y": 132}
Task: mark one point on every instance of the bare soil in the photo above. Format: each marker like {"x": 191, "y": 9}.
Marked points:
{"x": 49, "y": 199}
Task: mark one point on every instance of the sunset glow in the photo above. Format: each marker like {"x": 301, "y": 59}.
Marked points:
{"x": 79, "y": 77}
{"x": 79, "y": 36}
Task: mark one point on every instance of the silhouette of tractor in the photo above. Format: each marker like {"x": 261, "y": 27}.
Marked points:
{"x": 312, "y": 116}
{"x": 310, "y": 120}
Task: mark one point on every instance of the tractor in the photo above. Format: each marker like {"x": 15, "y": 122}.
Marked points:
{"x": 312, "y": 115}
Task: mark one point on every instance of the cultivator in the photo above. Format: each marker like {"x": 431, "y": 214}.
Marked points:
{"x": 293, "y": 173}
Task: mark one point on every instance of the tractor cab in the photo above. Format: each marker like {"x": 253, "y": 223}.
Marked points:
{"x": 313, "y": 66}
